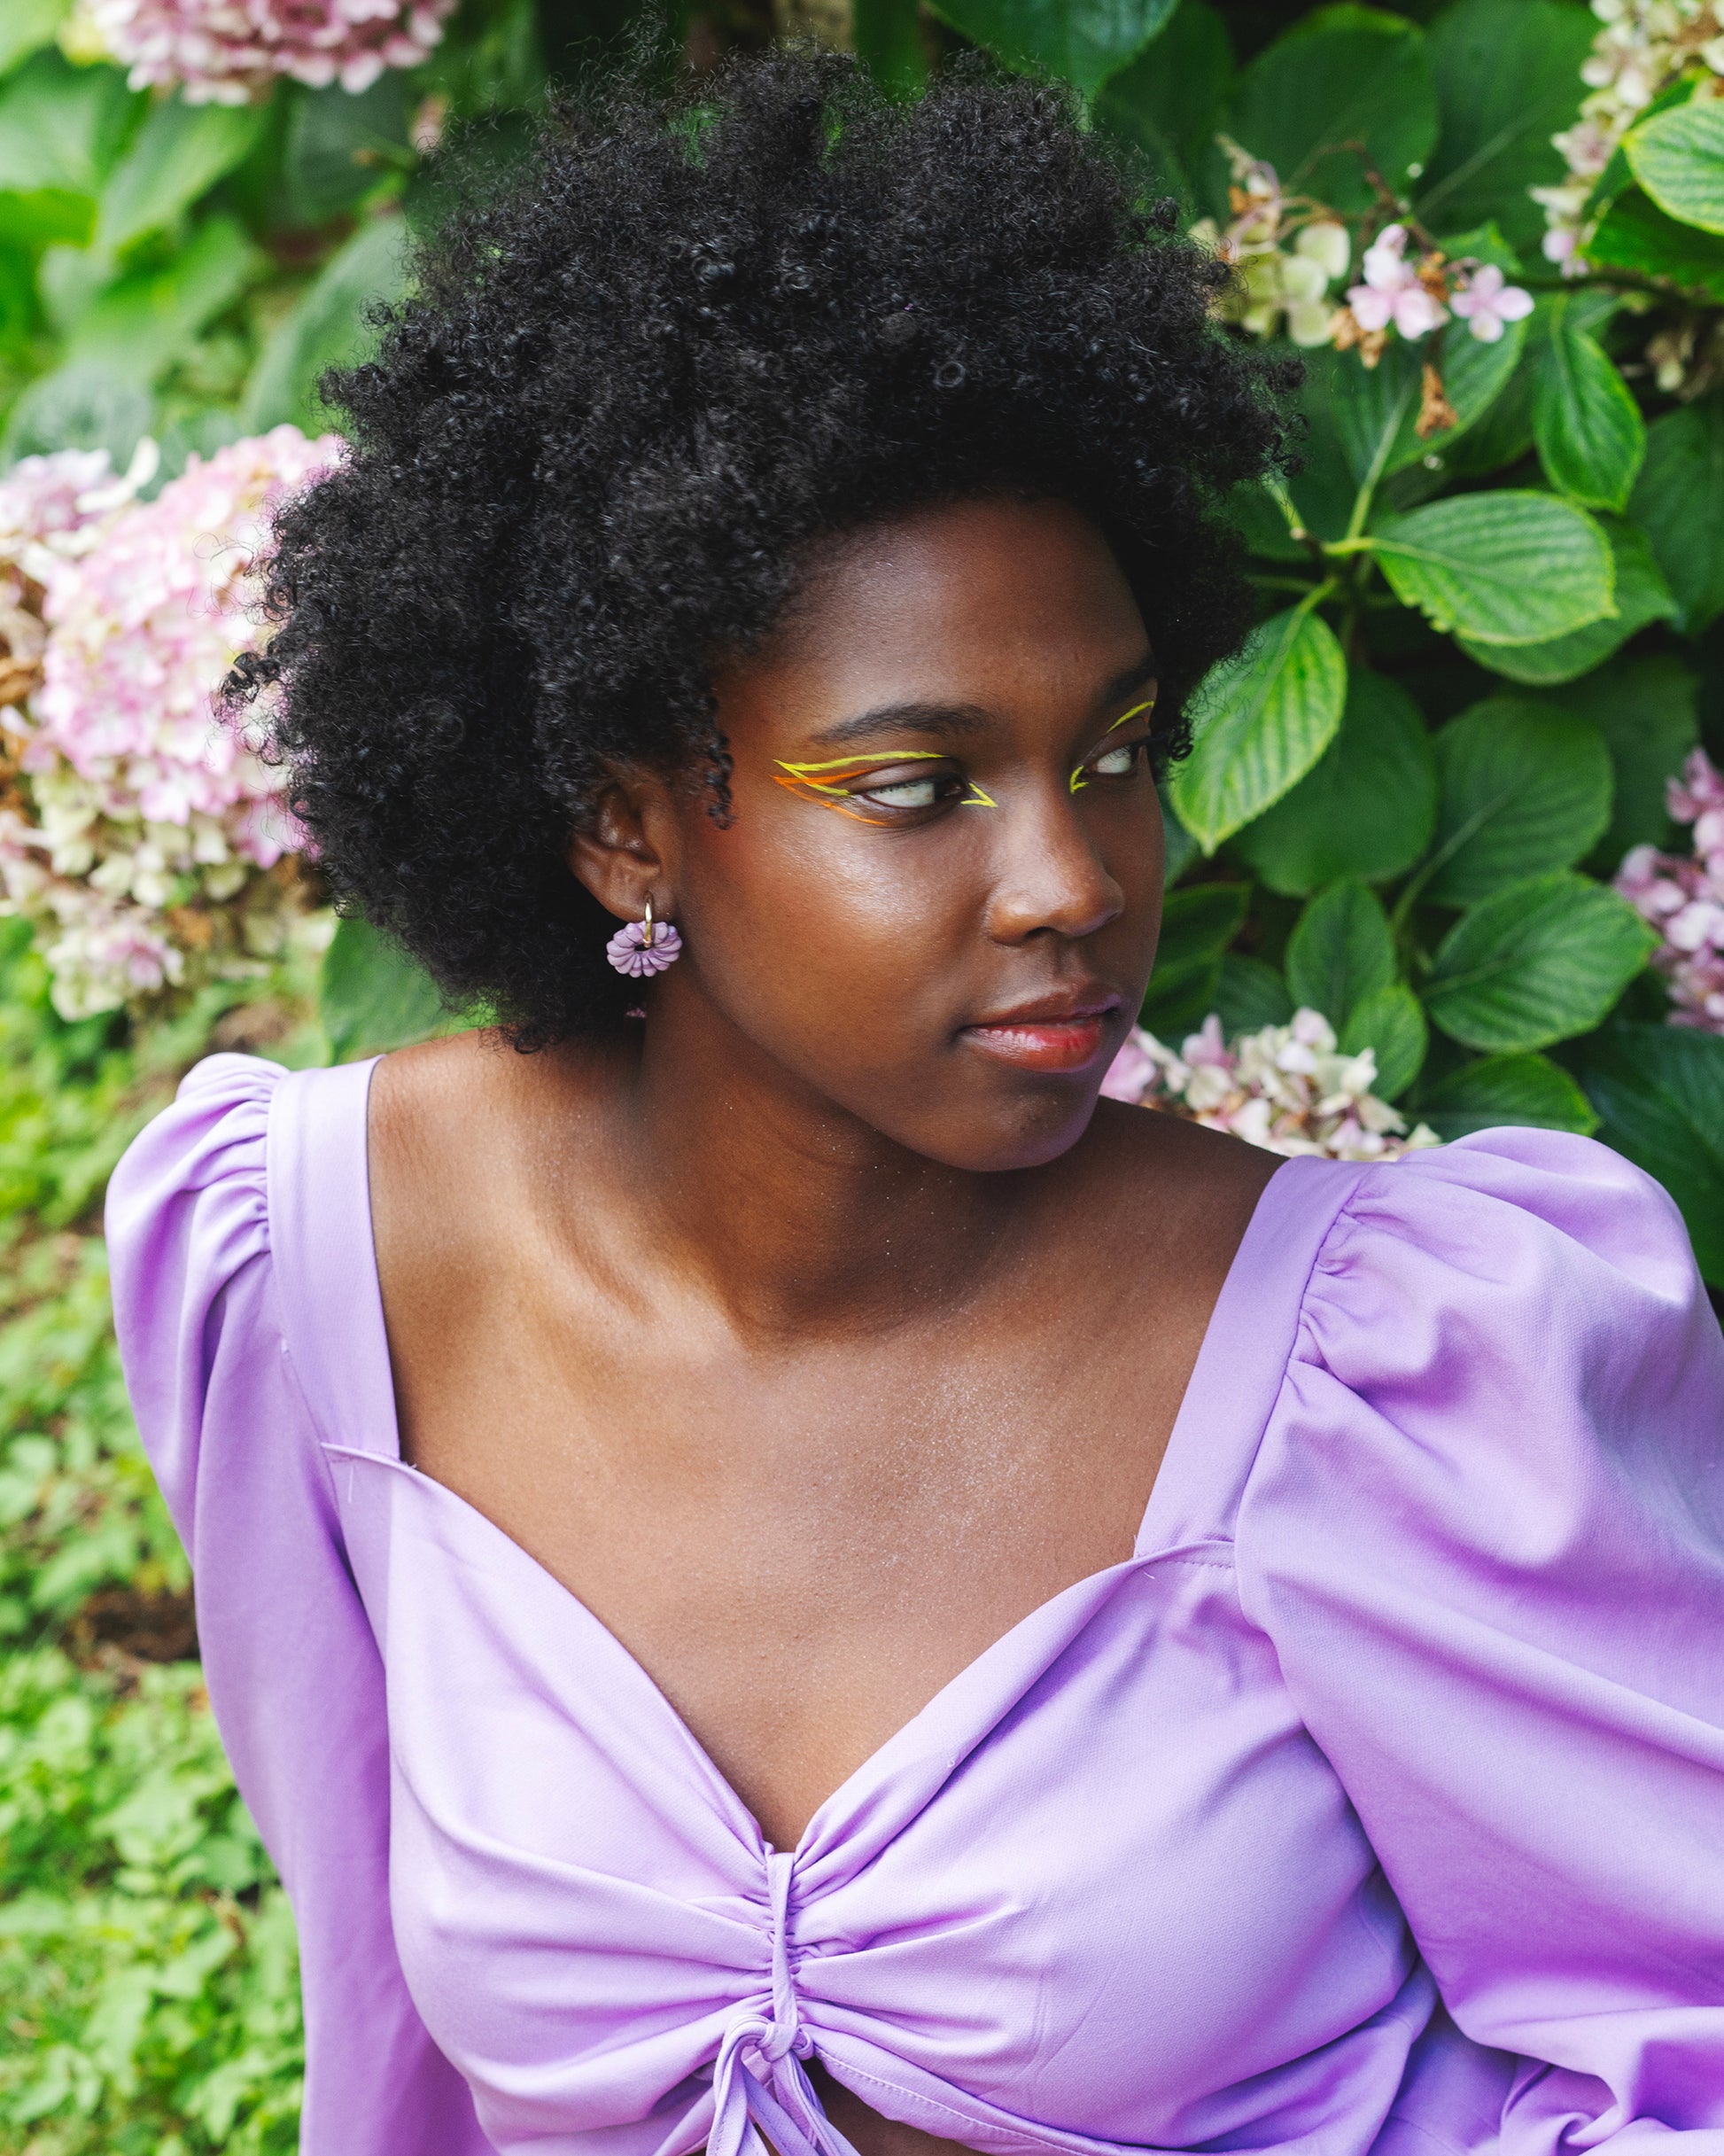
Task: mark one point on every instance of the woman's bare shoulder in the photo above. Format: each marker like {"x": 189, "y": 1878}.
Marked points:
{"x": 1144, "y": 1152}
{"x": 464, "y": 1129}
{"x": 1165, "y": 1193}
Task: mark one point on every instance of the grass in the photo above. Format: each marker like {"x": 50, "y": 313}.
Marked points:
{"x": 149, "y": 1986}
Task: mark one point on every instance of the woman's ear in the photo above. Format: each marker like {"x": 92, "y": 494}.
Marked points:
{"x": 627, "y": 854}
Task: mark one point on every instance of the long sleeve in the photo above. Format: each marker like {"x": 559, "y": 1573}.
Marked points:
{"x": 1485, "y": 1531}
{"x": 293, "y": 1672}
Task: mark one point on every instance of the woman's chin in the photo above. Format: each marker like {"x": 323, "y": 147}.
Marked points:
{"x": 1027, "y": 1132}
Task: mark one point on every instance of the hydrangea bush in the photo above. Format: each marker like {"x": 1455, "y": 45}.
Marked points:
{"x": 1447, "y": 853}
{"x": 1285, "y": 1087}
{"x": 230, "y": 51}
{"x": 147, "y": 841}
{"x": 1683, "y": 897}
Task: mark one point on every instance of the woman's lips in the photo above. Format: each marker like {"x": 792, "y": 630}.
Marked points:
{"x": 1043, "y": 1044}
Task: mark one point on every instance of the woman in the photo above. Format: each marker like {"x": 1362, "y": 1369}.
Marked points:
{"x": 771, "y": 1567}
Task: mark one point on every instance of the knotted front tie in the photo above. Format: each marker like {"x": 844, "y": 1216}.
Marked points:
{"x": 783, "y": 2106}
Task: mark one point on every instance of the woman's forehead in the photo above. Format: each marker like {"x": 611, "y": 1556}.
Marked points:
{"x": 962, "y": 609}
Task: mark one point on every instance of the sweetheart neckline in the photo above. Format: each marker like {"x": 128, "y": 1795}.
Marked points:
{"x": 875, "y": 1765}
{"x": 1263, "y": 1215}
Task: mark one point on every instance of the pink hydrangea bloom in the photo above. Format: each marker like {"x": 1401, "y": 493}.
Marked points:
{"x": 1682, "y": 896}
{"x": 1287, "y": 1087}
{"x": 1487, "y": 303}
{"x": 228, "y": 51}
{"x": 154, "y": 829}
{"x": 143, "y": 628}
{"x": 54, "y": 507}
{"x": 1392, "y": 291}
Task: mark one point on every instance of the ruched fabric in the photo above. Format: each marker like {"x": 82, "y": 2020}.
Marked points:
{"x": 1375, "y": 1804}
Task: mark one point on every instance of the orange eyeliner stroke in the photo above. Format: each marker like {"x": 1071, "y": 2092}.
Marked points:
{"x": 829, "y": 792}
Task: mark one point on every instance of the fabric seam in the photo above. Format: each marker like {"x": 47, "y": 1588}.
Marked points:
{"x": 284, "y": 1304}
{"x": 1343, "y": 1205}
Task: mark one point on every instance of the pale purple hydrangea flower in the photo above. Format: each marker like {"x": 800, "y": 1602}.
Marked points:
{"x": 228, "y": 51}
{"x": 1287, "y": 1088}
{"x": 1487, "y": 303}
{"x": 150, "y": 851}
{"x": 1643, "y": 46}
{"x": 1683, "y": 897}
{"x": 1392, "y": 291}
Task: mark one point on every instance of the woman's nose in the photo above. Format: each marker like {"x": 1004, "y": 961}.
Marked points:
{"x": 1050, "y": 877}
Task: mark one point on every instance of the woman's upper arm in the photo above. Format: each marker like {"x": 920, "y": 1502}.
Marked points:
{"x": 1486, "y": 1531}
{"x": 292, "y": 1664}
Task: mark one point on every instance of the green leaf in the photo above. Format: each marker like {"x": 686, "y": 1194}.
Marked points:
{"x": 1167, "y": 102}
{"x": 1326, "y": 485}
{"x": 1390, "y": 1023}
{"x": 48, "y": 216}
{"x": 373, "y": 997}
{"x": 1342, "y": 76}
{"x": 1084, "y": 41}
{"x": 1262, "y": 721}
{"x": 78, "y": 407}
{"x": 177, "y": 155}
{"x": 1505, "y": 567}
{"x": 1340, "y": 952}
{"x": 1525, "y": 788}
{"x": 1636, "y": 234}
{"x": 1525, "y": 1090}
{"x": 141, "y": 325}
{"x": 1616, "y": 176}
{"x": 327, "y": 328}
{"x": 1590, "y": 435}
{"x": 338, "y": 145}
{"x": 1507, "y": 78}
{"x": 1366, "y": 809}
{"x": 1645, "y": 710}
{"x": 1250, "y": 995}
{"x": 1641, "y": 597}
{"x": 1678, "y": 158}
{"x": 61, "y": 125}
{"x": 26, "y": 26}
{"x": 1679, "y": 502}
{"x": 888, "y": 36}
{"x": 1537, "y": 962}
{"x": 1179, "y": 848}
{"x": 1198, "y": 923}
{"x": 1660, "y": 1092}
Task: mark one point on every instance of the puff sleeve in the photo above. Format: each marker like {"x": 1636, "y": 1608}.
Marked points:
{"x": 293, "y": 1672}
{"x": 1485, "y": 1531}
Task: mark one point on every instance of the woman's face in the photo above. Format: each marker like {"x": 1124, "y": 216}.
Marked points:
{"x": 936, "y": 903}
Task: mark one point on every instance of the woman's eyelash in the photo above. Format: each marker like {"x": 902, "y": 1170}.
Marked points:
{"x": 1117, "y": 761}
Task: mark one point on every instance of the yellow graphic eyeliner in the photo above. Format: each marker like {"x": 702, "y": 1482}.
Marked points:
{"x": 1078, "y": 781}
{"x": 800, "y": 776}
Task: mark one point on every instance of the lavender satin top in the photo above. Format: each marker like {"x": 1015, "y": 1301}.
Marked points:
{"x": 1375, "y": 1804}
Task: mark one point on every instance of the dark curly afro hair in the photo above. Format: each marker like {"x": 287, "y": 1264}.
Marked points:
{"x": 627, "y": 396}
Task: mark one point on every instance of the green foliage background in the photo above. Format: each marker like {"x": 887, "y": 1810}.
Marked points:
{"x": 1483, "y": 652}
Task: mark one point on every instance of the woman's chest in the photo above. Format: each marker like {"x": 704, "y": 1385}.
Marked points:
{"x": 803, "y": 1549}
{"x": 1104, "y": 1863}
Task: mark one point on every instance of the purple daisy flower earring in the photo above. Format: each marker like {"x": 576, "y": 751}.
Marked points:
{"x": 644, "y": 946}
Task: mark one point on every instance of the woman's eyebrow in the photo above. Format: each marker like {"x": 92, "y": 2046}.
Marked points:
{"x": 941, "y": 721}
{"x": 1129, "y": 677}
{"x": 958, "y": 721}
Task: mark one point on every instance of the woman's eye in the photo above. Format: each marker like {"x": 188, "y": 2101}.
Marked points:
{"x": 906, "y": 793}
{"x": 1118, "y": 763}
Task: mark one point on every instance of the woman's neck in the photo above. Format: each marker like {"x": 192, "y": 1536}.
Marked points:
{"x": 796, "y": 1216}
